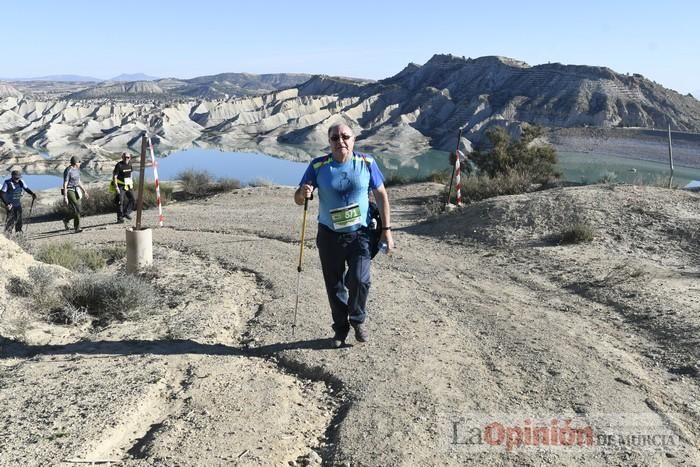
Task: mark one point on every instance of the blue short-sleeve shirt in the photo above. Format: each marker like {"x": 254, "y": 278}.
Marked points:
{"x": 344, "y": 184}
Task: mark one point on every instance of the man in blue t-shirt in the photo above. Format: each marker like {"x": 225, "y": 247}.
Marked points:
{"x": 343, "y": 179}
{"x": 11, "y": 193}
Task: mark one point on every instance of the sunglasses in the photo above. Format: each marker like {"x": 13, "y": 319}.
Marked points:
{"x": 336, "y": 138}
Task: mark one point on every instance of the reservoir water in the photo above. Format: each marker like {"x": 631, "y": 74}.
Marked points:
{"x": 249, "y": 167}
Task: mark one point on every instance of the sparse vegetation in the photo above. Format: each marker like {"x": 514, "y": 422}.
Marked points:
{"x": 66, "y": 254}
{"x": 478, "y": 187}
{"x": 110, "y": 297}
{"x": 69, "y": 256}
{"x": 112, "y": 253}
{"x": 259, "y": 181}
{"x": 101, "y": 201}
{"x": 523, "y": 156}
{"x": 102, "y": 296}
{"x": 19, "y": 287}
{"x": 46, "y": 297}
{"x": 578, "y": 233}
{"x": 608, "y": 177}
{"x": 200, "y": 183}
{"x": 437, "y": 177}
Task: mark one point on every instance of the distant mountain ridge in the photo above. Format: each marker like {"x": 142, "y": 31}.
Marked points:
{"x": 421, "y": 107}
{"x": 60, "y": 78}
{"x": 134, "y": 77}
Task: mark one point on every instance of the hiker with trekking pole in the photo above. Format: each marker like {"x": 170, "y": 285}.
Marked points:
{"x": 11, "y": 193}
{"x": 343, "y": 179}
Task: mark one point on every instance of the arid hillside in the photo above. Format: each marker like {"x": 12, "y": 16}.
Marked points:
{"x": 420, "y": 108}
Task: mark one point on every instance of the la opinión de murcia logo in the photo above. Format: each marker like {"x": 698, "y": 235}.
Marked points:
{"x": 483, "y": 433}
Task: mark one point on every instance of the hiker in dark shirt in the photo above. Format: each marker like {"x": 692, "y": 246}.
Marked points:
{"x": 11, "y": 193}
{"x": 73, "y": 191}
{"x": 121, "y": 178}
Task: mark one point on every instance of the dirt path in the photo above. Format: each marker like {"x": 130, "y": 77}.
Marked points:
{"x": 464, "y": 331}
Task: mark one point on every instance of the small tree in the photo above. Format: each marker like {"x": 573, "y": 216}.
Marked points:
{"x": 507, "y": 156}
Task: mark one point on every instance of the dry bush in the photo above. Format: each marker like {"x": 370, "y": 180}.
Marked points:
{"x": 478, "y": 187}
{"x": 68, "y": 314}
{"x": 113, "y": 253}
{"x": 200, "y": 183}
{"x": 259, "y": 181}
{"x": 577, "y": 233}
{"x": 46, "y": 297}
{"x": 19, "y": 287}
{"x": 224, "y": 185}
{"x": 109, "y": 297}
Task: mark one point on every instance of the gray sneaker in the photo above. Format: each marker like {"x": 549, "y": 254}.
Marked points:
{"x": 361, "y": 333}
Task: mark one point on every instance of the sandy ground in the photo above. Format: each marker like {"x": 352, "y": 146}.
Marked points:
{"x": 478, "y": 319}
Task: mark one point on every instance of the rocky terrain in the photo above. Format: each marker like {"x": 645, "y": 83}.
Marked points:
{"x": 479, "y": 316}
{"x": 420, "y": 108}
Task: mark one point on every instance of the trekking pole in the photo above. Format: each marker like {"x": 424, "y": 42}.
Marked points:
{"x": 301, "y": 256}
{"x": 31, "y": 206}
{"x": 454, "y": 167}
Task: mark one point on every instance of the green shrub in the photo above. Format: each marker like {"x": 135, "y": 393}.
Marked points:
{"x": 63, "y": 253}
{"x": 505, "y": 156}
{"x": 67, "y": 255}
{"x": 93, "y": 260}
{"x": 577, "y": 233}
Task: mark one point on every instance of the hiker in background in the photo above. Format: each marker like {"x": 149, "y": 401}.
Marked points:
{"x": 11, "y": 193}
{"x": 121, "y": 180}
{"x": 72, "y": 191}
{"x": 343, "y": 179}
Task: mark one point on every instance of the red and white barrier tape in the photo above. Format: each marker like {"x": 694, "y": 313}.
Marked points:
{"x": 458, "y": 181}
{"x": 154, "y": 163}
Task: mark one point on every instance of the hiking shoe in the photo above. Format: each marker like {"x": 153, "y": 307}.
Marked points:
{"x": 361, "y": 333}
{"x": 337, "y": 342}
{"x": 120, "y": 221}
{"x": 65, "y": 224}
{"x": 78, "y": 230}
{"x": 339, "y": 336}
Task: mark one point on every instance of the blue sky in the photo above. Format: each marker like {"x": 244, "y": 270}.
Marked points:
{"x": 368, "y": 39}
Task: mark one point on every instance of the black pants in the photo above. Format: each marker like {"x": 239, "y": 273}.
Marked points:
{"x": 125, "y": 203}
{"x": 14, "y": 219}
{"x": 347, "y": 289}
